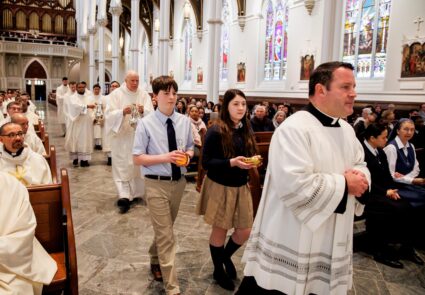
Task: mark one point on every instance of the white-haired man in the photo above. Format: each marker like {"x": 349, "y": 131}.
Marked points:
{"x": 126, "y": 105}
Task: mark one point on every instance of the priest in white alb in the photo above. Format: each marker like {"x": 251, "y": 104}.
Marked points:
{"x": 60, "y": 95}
{"x": 126, "y": 105}
{"x": 30, "y": 139}
{"x": 99, "y": 118}
{"x": 79, "y": 136}
{"x": 67, "y": 98}
{"x": 19, "y": 160}
{"x": 301, "y": 240}
{"x": 24, "y": 264}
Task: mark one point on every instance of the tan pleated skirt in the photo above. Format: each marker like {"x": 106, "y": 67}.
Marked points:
{"x": 224, "y": 206}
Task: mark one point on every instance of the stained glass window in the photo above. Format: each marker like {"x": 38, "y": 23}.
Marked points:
{"x": 365, "y": 36}
{"x": 276, "y": 40}
{"x": 225, "y": 46}
{"x": 188, "y": 50}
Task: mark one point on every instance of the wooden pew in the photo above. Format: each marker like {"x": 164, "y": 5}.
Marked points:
{"x": 55, "y": 231}
{"x": 51, "y": 159}
{"x": 265, "y": 136}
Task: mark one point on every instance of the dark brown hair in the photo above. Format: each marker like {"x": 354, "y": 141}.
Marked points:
{"x": 323, "y": 74}
{"x": 163, "y": 83}
{"x": 226, "y": 127}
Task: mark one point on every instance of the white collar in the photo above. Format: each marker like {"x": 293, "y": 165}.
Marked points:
{"x": 370, "y": 148}
{"x": 400, "y": 145}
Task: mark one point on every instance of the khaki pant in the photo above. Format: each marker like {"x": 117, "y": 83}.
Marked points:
{"x": 163, "y": 200}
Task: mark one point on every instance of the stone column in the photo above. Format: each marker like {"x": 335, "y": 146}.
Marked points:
{"x": 134, "y": 40}
{"x": 92, "y": 65}
{"x": 102, "y": 24}
{"x": 214, "y": 36}
{"x": 164, "y": 36}
{"x": 116, "y": 12}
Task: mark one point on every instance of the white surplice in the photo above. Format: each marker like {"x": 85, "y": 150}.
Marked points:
{"x": 79, "y": 135}
{"x": 66, "y": 102}
{"x": 29, "y": 167}
{"x": 122, "y": 134}
{"x": 61, "y": 91}
{"x": 34, "y": 142}
{"x": 98, "y": 128}
{"x": 24, "y": 264}
{"x": 32, "y": 117}
{"x": 298, "y": 245}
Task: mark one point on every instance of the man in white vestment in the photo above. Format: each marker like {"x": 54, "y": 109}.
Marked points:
{"x": 61, "y": 91}
{"x": 30, "y": 139}
{"x": 106, "y": 135}
{"x": 301, "y": 240}
{"x": 125, "y": 106}
{"x": 20, "y": 161}
{"x": 30, "y": 114}
{"x": 24, "y": 264}
{"x": 79, "y": 137}
{"x": 67, "y": 98}
{"x": 98, "y": 122}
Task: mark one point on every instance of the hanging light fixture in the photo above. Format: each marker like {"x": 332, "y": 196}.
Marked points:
{"x": 186, "y": 10}
{"x": 121, "y": 42}
{"x": 156, "y": 25}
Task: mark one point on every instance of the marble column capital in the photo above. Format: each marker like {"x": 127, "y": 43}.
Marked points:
{"x": 92, "y": 31}
{"x": 102, "y": 22}
{"x": 116, "y": 10}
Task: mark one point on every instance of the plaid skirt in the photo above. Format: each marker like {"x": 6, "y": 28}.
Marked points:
{"x": 225, "y": 206}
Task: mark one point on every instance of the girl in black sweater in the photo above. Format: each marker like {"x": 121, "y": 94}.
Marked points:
{"x": 225, "y": 198}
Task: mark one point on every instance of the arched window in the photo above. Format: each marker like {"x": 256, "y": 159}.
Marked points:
{"x": 46, "y": 23}
{"x": 21, "y": 20}
{"x": 187, "y": 35}
{"x": 225, "y": 39}
{"x": 59, "y": 24}
{"x": 276, "y": 42}
{"x": 366, "y": 35}
{"x": 34, "y": 21}
{"x": 7, "y": 19}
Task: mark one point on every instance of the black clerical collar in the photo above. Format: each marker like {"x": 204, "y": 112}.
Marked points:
{"x": 323, "y": 118}
{"x": 18, "y": 152}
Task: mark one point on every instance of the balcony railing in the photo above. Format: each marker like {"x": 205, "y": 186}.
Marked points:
{"x": 40, "y": 47}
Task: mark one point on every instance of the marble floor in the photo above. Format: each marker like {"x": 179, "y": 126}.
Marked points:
{"x": 112, "y": 249}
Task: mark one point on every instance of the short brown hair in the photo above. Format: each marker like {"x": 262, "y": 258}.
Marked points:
{"x": 163, "y": 83}
{"x": 323, "y": 74}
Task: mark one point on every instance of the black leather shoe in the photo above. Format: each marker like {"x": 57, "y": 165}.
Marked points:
{"x": 84, "y": 164}
{"x": 109, "y": 161}
{"x": 223, "y": 280}
{"x": 156, "y": 272}
{"x": 389, "y": 261}
{"x": 75, "y": 163}
{"x": 124, "y": 205}
{"x": 413, "y": 257}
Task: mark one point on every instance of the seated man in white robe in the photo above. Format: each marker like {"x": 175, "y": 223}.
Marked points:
{"x": 125, "y": 106}
{"x": 20, "y": 161}
{"x": 30, "y": 139}
{"x": 79, "y": 137}
{"x": 27, "y": 111}
{"x": 15, "y": 107}
{"x": 24, "y": 264}
{"x": 301, "y": 240}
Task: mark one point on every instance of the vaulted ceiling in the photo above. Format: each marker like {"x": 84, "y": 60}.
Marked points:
{"x": 146, "y": 14}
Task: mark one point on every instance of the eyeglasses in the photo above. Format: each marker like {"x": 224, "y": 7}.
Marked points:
{"x": 13, "y": 135}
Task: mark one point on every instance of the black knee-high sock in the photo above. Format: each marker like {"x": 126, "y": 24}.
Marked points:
{"x": 217, "y": 256}
{"x": 231, "y": 248}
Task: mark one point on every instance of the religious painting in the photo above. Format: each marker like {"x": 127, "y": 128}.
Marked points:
{"x": 150, "y": 78}
{"x": 199, "y": 75}
{"x": 241, "y": 71}
{"x": 307, "y": 66}
{"x": 413, "y": 60}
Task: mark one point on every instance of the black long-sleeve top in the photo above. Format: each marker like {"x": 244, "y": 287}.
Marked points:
{"x": 217, "y": 165}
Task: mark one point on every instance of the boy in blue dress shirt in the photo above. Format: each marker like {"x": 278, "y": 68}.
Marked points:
{"x": 163, "y": 145}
